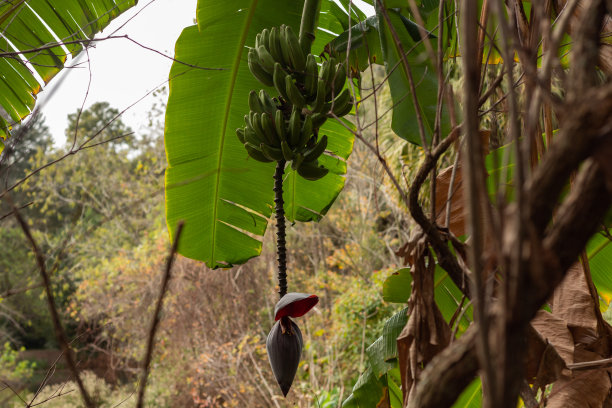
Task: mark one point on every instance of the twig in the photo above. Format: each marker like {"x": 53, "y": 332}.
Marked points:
{"x": 263, "y": 379}
{"x": 7, "y": 385}
{"x": 591, "y": 365}
{"x": 474, "y": 181}
{"x": 85, "y": 144}
{"x": 157, "y": 315}
{"x": 8, "y": 214}
{"x": 110, "y": 37}
{"x": 59, "y": 330}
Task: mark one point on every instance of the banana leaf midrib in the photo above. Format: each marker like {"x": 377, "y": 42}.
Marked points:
{"x": 226, "y": 115}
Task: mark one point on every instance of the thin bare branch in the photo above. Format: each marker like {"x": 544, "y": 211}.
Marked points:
{"x": 59, "y": 330}
{"x": 157, "y": 316}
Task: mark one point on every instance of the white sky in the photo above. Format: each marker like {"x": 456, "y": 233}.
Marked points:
{"x": 121, "y": 71}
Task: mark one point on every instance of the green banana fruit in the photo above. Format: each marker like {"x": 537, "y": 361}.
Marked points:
{"x": 257, "y": 70}
{"x": 307, "y": 126}
{"x": 279, "y": 81}
{"x": 296, "y": 53}
{"x": 258, "y": 40}
{"x": 295, "y": 96}
{"x": 285, "y": 49}
{"x": 251, "y": 137}
{"x": 342, "y": 112}
{"x": 248, "y": 119}
{"x": 295, "y": 124}
{"x": 286, "y": 150}
{"x": 267, "y": 125}
{"x": 279, "y": 124}
{"x": 275, "y": 46}
{"x": 297, "y": 161}
{"x": 319, "y": 102}
{"x": 305, "y": 139}
{"x": 341, "y": 101}
{"x": 314, "y": 153}
{"x": 259, "y": 132}
{"x": 271, "y": 153}
{"x": 324, "y": 72}
{"x": 265, "y": 38}
{"x": 267, "y": 102}
{"x": 339, "y": 79}
{"x": 318, "y": 119}
{"x": 256, "y": 154}
{"x": 312, "y": 171}
{"x": 254, "y": 102}
{"x": 265, "y": 59}
{"x": 329, "y": 83}
{"x": 311, "y": 76}
{"x": 240, "y": 134}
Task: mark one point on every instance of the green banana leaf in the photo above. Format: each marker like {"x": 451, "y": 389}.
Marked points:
{"x": 404, "y": 122}
{"x": 397, "y": 288}
{"x": 364, "y": 45}
{"x": 224, "y": 198}
{"x": 367, "y": 392}
{"x": 381, "y": 377}
{"x": 378, "y": 379}
{"x": 30, "y": 32}
{"x": 599, "y": 252}
{"x": 471, "y": 397}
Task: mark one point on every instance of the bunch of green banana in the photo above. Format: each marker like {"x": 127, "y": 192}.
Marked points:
{"x": 287, "y": 128}
{"x": 268, "y": 136}
{"x": 278, "y": 60}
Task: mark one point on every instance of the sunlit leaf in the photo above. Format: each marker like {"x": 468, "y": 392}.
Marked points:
{"x": 28, "y": 31}
{"x": 471, "y": 397}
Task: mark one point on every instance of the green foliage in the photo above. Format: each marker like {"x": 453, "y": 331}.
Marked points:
{"x": 84, "y": 209}
{"x": 13, "y": 369}
{"x": 599, "y": 253}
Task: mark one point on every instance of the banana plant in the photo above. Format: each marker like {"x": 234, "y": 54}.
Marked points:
{"x": 37, "y": 37}
{"x": 224, "y": 195}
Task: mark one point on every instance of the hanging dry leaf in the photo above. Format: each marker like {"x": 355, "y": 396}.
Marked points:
{"x": 426, "y": 333}
{"x": 588, "y": 389}
{"x": 457, "y": 221}
{"x": 579, "y": 334}
{"x": 573, "y": 303}
{"x": 554, "y": 329}
{"x": 549, "y": 348}
{"x": 457, "y": 213}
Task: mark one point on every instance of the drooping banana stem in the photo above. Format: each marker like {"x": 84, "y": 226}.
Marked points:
{"x": 280, "y": 227}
